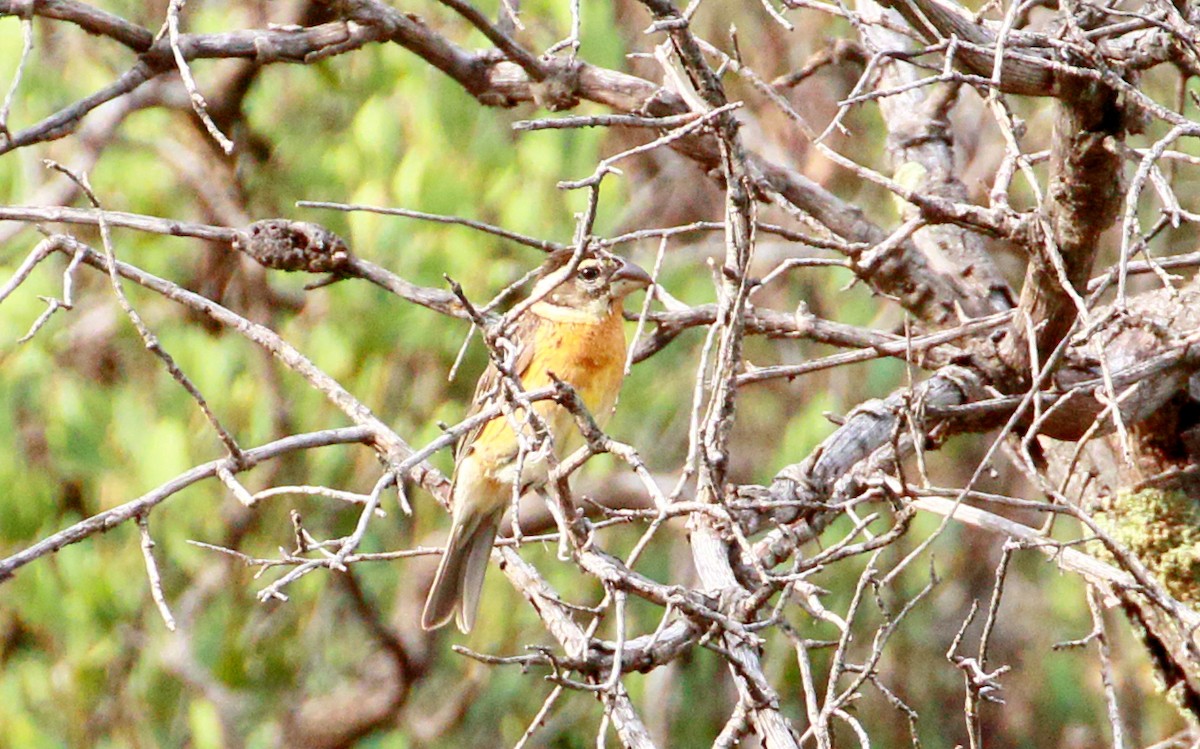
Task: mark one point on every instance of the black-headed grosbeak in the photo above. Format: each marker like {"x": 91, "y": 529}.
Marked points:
{"x": 574, "y": 330}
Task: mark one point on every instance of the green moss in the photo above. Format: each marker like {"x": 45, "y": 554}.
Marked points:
{"x": 1162, "y": 529}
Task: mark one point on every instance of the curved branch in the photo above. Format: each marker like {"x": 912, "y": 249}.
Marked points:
{"x": 109, "y": 519}
{"x": 91, "y": 20}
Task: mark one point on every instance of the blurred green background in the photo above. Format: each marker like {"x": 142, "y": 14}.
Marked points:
{"x": 91, "y": 420}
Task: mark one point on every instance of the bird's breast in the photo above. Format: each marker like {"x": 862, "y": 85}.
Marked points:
{"x": 590, "y": 356}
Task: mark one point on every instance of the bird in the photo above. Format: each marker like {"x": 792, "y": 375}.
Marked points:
{"x": 574, "y": 330}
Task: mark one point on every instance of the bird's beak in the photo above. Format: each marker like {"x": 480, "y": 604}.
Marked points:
{"x": 629, "y": 278}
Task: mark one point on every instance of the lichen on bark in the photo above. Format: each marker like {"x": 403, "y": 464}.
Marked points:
{"x": 1161, "y": 528}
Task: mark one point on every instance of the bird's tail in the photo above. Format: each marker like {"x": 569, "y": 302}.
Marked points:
{"x": 459, "y": 578}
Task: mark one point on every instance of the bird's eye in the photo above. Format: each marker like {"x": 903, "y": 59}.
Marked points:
{"x": 589, "y": 273}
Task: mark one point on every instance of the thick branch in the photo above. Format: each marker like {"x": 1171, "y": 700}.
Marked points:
{"x": 91, "y": 20}
{"x": 1027, "y": 66}
{"x": 1084, "y": 199}
{"x": 919, "y": 135}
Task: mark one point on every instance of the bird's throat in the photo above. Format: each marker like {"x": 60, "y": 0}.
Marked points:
{"x": 559, "y": 313}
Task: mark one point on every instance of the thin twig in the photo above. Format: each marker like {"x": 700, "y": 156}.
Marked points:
{"x": 540, "y": 244}
{"x": 109, "y": 519}
{"x": 156, "y": 591}
{"x": 148, "y": 338}
{"x": 199, "y": 105}
{"x": 26, "y": 49}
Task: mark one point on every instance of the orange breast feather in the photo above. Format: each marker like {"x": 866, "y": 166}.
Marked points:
{"x": 588, "y": 356}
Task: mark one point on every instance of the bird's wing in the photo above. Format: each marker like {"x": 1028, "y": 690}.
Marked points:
{"x": 486, "y": 390}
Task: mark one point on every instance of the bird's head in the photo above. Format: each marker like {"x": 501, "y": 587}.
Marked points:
{"x": 597, "y": 286}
